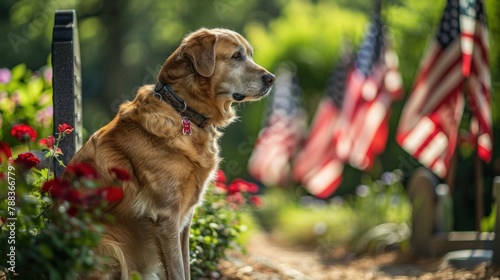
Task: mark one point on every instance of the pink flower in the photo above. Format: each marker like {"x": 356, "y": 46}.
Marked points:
{"x": 15, "y": 98}
{"x": 65, "y": 128}
{"x": 27, "y": 160}
{"x": 23, "y": 132}
{"x": 44, "y": 116}
{"x": 47, "y": 74}
{"x": 5, "y": 76}
{"x": 236, "y": 199}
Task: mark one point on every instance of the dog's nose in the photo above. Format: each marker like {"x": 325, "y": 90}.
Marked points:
{"x": 268, "y": 79}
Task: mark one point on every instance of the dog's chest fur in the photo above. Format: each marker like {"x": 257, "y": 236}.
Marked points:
{"x": 172, "y": 179}
{"x": 170, "y": 171}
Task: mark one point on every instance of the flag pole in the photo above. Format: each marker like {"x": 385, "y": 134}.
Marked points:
{"x": 450, "y": 177}
{"x": 377, "y": 8}
{"x": 479, "y": 188}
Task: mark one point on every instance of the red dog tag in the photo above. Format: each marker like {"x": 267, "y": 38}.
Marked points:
{"x": 186, "y": 126}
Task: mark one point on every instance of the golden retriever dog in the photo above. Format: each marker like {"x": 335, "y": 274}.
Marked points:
{"x": 167, "y": 139}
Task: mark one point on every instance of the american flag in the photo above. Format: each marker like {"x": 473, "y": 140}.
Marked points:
{"x": 281, "y": 134}
{"x": 455, "y": 60}
{"x": 372, "y": 85}
{"x": 316, "y": 165}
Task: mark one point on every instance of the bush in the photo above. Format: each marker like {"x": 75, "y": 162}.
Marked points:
{"x": 25, "y": 97}
{"x": 46, "y": 241}
{"x": 217, "y": 224}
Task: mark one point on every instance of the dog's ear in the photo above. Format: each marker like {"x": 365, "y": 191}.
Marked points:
{"x": 200, "y": 50}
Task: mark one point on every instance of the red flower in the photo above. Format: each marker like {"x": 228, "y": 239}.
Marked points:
{"x": 65, "y": 128}
{"x": 27, "y": 160}
{"x": 256, "y": 200}
{"x": 48, "y": 142}
{"x": 220, "y": 179}
{"x": 56, "y": 187}
{"x": 2, "y": 221}
{"x": 4, "y": 150}
{"x": 121, "y": 174}
{"x": 240, "y": 185}
{"x": 233, "y": 188}
{"x": 82, "y": 170}
{"x": 111, "y": 194}
{"x": 23, "y": 132}
{"x": 75, "y": 196}
{"x": 250, "y": 187}
{"x": 72, "y": 211}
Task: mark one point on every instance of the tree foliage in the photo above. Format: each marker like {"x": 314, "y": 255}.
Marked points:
{"x": 124, "y": 43}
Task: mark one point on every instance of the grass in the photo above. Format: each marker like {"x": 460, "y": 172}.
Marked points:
{"x": 374, "y": 219}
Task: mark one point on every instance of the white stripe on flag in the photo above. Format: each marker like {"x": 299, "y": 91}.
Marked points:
{"x": 328, "y": 174}
{"x": 443, "y": 90}
{"x": 434, "y": 149}
{"x": 484, "y": 141}
{"x": 482, "y": 66}
{"x": 439, "y": 168}
{"x": 418, "y": 135}
{"x": 439, "y": 66}
{"x": 373, "y": 119}
{"x": 467, "y": 26}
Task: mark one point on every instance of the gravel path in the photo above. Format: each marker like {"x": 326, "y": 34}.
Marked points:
{"x": 265, "y": 260}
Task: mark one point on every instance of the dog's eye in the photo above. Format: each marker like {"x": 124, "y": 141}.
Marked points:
{"x": 237, "y": 55}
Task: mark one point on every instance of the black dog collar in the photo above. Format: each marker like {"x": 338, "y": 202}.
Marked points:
{"x": 165, "y": 93}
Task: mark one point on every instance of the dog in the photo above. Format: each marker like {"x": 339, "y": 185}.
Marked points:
{"x": 167, "y": 139}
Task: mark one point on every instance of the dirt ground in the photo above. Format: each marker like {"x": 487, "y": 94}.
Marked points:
{"x": 265, "y": 260}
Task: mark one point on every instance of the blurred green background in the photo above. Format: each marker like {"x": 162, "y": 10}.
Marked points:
{"x": 124, "y": 43}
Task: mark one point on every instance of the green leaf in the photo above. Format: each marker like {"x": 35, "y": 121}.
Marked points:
{"x": 46, "y": 251}
{"x": 18, "y": 71}
{"x": 135, "y": 276}
{"x": 35, "y": 88}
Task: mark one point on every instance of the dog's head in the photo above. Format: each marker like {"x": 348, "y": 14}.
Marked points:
{"x": 212, "y": 68}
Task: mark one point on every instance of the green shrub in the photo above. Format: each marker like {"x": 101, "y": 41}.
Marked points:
{"x": 47, "y": 241}
{"x": 25, "y": 97}
{"x": 217, "y": 224}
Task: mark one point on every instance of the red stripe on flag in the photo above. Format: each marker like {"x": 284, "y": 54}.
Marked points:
{"x": 318, "y": 142}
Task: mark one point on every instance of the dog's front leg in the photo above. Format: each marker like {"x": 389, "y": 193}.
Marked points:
{"x": 169, "y": 245}
{"x": 185, "y": 246}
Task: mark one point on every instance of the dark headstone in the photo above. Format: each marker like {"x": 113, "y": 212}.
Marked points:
{"x": 67, "y": 98}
